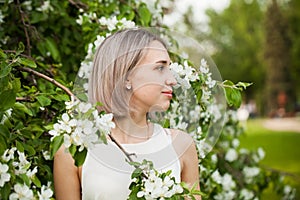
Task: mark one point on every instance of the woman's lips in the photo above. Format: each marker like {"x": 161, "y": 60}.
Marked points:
{"x": 169, "y": 94}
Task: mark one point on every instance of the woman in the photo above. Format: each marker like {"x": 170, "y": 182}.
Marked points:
{"x": 131, "y": 78}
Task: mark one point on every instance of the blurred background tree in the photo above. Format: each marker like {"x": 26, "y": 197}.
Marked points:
{"x": 256, "y": 41}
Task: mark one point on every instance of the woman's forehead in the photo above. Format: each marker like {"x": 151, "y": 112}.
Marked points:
{"x": 155, "y": 52}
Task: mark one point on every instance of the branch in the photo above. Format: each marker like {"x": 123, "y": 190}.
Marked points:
{"x": 78, "y": 4}
{"x": 24, "y": 26}
{"x": 121, "y": 148}
{"x": 48, "y": 79}
{"x": 125, "y": 152}
{"x": 23, "y": 99}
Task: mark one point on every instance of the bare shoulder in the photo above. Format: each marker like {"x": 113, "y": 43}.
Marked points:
{"x": 182, "y": 142}
{"x": 66, "y": 176}
{"x": 179, "y": 135}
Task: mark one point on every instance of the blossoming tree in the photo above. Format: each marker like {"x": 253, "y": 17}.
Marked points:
{"x": 42, "y": 46}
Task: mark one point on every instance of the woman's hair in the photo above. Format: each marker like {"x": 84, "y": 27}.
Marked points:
{"x": 114, "y": 59}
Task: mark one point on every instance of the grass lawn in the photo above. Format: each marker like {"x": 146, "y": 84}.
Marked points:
{"x": 282, "y": 151}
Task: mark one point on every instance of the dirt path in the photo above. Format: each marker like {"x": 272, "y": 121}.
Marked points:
{"x": 283, "y": 124}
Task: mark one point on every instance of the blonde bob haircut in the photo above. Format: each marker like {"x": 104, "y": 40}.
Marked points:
{"x": 115, "y": 58}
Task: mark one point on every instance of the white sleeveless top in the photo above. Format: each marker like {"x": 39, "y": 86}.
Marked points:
{"x": 107, "y": 176}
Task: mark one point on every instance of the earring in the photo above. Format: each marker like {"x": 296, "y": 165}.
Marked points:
{"x": 128, "y": 86}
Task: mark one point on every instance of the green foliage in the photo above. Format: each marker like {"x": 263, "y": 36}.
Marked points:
{"x": 41, "y": 47}
{"x": 239, "y": 42}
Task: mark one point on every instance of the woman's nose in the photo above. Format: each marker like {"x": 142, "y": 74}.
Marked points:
{"x": 170, "y": 79}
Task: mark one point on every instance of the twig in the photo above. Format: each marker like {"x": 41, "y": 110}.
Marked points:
{"x": 48, "y": 79}
{"x": 121, "y": 148}
{"x": 128, "y": 155}
{"x": 14, "y": 51}
{"x": 25, "y": 29}
{"x": 78, "y": 4}
{"x": 23, "y": 99}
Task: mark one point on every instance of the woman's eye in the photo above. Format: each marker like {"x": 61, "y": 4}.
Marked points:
{"x": 160, "y": 68}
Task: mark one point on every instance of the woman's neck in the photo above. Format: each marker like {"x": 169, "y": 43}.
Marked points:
{"x": 132, "y": 129}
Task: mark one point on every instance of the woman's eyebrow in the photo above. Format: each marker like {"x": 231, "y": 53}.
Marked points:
{"x": 162, "y": 61}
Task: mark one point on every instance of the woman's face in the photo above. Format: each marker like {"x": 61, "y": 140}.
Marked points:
{"x": 152, "y": 80}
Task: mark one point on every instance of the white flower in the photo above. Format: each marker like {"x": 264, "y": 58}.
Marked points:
{"x": 235, "y": 143}
{"x": 109, "y": 22}
{"x": 46, "y": 155}
{"x": 31, "y": 173}
{"x": 66, "y": 124}
{"x": 140, "y": 194}
{"x": 79, "y": 20}
{"x": 55, "y": 131}
{"x": 45, "y": 7}
{"x": 70, "y": 104}
{"x": 261, "y": 153}
{"x": 22, "y": 166}
{"x": 217, "y": 177}
{"x": 86, "y": 67}
{"x": 67, "y": 141}
{"x": 177, "y": 68}
{"x": 27, "y": 4}
{"x": 250, "y": 172}
{"x": 244, "y": 151}
{"x": 204, "y": 67}
{"x": 126, "y": 23}
{"x": 177, "y": 189}
{"x": 4, "y": 176}
{"x": 22, "y": 192}
{"x": 8, "y": 112}
{"x": 214, "y": 158}
{"x": 168, "y": 181}
{"x": 105, "y": 123}
{"x": 228, "y": 195}
{"x": 246, "y": 194}
{"x": 227, "y": 182}
{"x": 9, "y": 154}
{"x": 84, "y": 107}
{"x": 210, "y": 83}
{"x": 1, "y": 17}
{"x": 98, "y": 41}
{"x": 231, "y": 155}
{"x": 287, "y": 189}
{"x": 46, "y": 193}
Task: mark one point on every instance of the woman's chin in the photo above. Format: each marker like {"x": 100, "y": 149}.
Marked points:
{"x": 160, "y": 107}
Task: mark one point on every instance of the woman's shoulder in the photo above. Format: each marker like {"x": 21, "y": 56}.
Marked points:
{"x": 179, "y": 135}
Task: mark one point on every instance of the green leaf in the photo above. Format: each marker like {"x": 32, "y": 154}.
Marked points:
{"x": 23, "y": 108}
{"x": 5, "y": 191}
{"x": 56, "y": 144}
{"x": 145, "y": 14}
{"x": 80, "y": 157}
{"x": 52, "y": 48}
{"x": 8, "y": 99}
{"x": 244, "y": 85}
{"x": 233, "y": 96}
{"x": 232, "y": 93}
{"x": 16, "y": 84}
{"x": 136, "y": 173}
{"x": 36, "y": 181}
{"x": 72, "y": 149}
{"x": 4, "y": 71}
{"x": 20, "y": 49}
{"x": 25, "y": 178}
{"x": 2, "y": 54}
{"x": 19, "y": 146}
{"x": 4, "y": 131}
{"x": 26, "y": 62}
{"x": 3, "y": 144}
{"x": 43, "y": 100}
{"x": 31, "y": 151}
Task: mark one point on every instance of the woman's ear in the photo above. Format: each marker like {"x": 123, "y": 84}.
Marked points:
{"x": 128, "y": 85}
